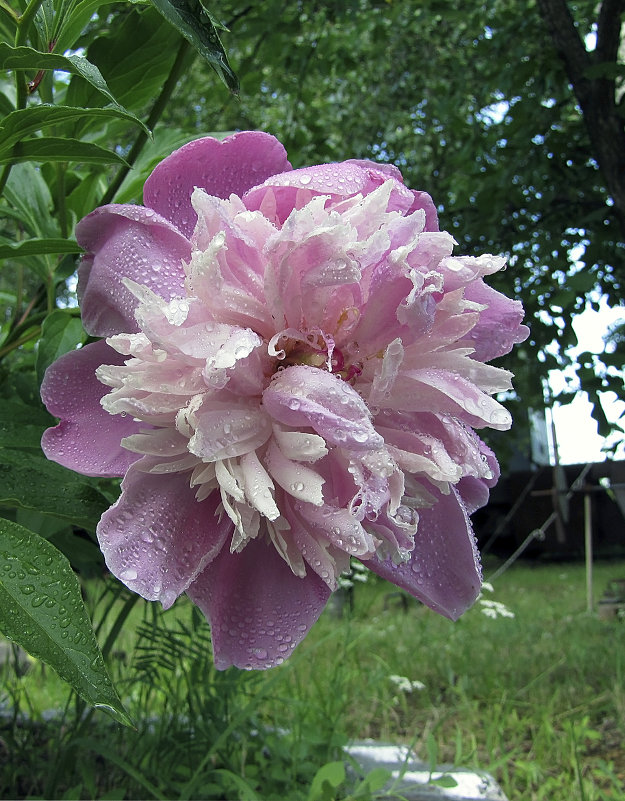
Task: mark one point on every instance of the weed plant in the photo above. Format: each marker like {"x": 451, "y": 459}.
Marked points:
{"x": 537, "y": 700}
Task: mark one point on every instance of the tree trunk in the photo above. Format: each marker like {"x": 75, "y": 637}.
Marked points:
{"x": 595, "y": 88}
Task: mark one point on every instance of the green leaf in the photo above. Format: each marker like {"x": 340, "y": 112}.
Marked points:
{"x": 71, "y": 20}
{"x": 193, "y": 21}
{"x": 53, "y": 149}
{"x": 30, "y": 197}
{"x": 228, "y": 779}
{"x": 26, "y": 58}
{"x": 326, "y": 780}
{"x": 35, "y": 247}
{"x": 61, "y": 332}
{"x": 21, "y": 426}
{"x": 25, "y": 121}
{"x": 376, "y": 779}
{"x": 444, "y": 781}
{"x": 135, "y": 57}
{"x": 30, "y": 481}
{"x": 41, "y": 609}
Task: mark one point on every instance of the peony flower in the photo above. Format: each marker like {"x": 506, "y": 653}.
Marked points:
{"x": 292, "y": 369}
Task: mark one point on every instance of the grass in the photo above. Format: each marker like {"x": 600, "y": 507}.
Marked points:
{"x": 537, "y": 700}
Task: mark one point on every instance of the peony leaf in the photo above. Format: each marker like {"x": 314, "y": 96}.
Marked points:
{"x": 61, "y": 331}
{"x": 26, "y": 58}
{"x": 35, "y": 247}
{"x": 21, "y": 426}
{"x": 26, "y": 121}
{"x": 196, "y": 24}
{"x": 29, "y": 481}
{"x": 135, "y": 57}
{"x": 57, "y": 149}
{"x": 30, "y": 201}
{"x": 326, "y": 781}
{"x": 41, "y": 609}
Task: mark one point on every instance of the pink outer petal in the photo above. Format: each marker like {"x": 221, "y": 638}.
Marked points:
{"x": 258, "y": 609}
{"x": 499, "y": 326}
{"x": 126, "y": 242}
{"x": 221, "y": 168}
{"x": 443, "y": 571}
{"x": 339, "y": 180}
{"x": 87, "y": 439}
{"x": 157, "y": 538}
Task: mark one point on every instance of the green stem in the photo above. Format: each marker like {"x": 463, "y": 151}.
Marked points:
{"x": 7, "y": 8}
{"x": 34, "y": 334}
{"x": 21, "y": 37}
{"x": 60, "y": 199}
{"x": 26, "y": 20}
{"x": 178, "y": 68}
{"x": 4, "y": 176}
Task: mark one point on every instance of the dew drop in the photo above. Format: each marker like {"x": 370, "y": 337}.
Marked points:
{"x": 128, "y": 575}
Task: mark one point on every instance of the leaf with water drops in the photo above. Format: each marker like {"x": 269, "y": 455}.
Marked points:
{"x": 61, "y": 332}
{"x": 191, "y": 19}
{"x": 41, "y": 609}
{"x": 22, "y": 425}
{"x": 25, "y": 58}
{"x": 29, "y": 481}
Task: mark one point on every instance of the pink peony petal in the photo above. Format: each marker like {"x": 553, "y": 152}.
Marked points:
{"x": 126, "y": 242}
{"x": 473, "y": 490}
{"x": 308, "y": 397}
{"x": 499, "y": 326}
{"x": 157, "y": 538}
{"x": 221, "y": 168}
{"x": 258, "y": 609}
{"x": 87, "y": 439}
{"x": 336, "y": 179}
{"x": 444, "y": 392}
{"x": 443, "y": 571}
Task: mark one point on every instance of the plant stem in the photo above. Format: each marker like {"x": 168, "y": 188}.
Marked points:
{"x": 178, "y": 68}
{"x": 34, "y": 334}
{"x": 60, "y": 199}
{"x": 23, "y": 26}
{"x": 21, "y": 38}
{"x": 7, "y": 8}
{"x": 25, "y": 21}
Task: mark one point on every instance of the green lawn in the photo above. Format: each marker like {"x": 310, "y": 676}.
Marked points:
{"x": 538, "y": 700}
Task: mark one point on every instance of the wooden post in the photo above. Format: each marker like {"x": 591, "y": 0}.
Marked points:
{"x": 588, "y": 549}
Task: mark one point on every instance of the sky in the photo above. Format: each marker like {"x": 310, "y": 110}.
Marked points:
{"x": 576, "y": 431}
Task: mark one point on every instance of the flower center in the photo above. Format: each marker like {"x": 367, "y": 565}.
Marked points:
{"x": 312, "y": 348}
